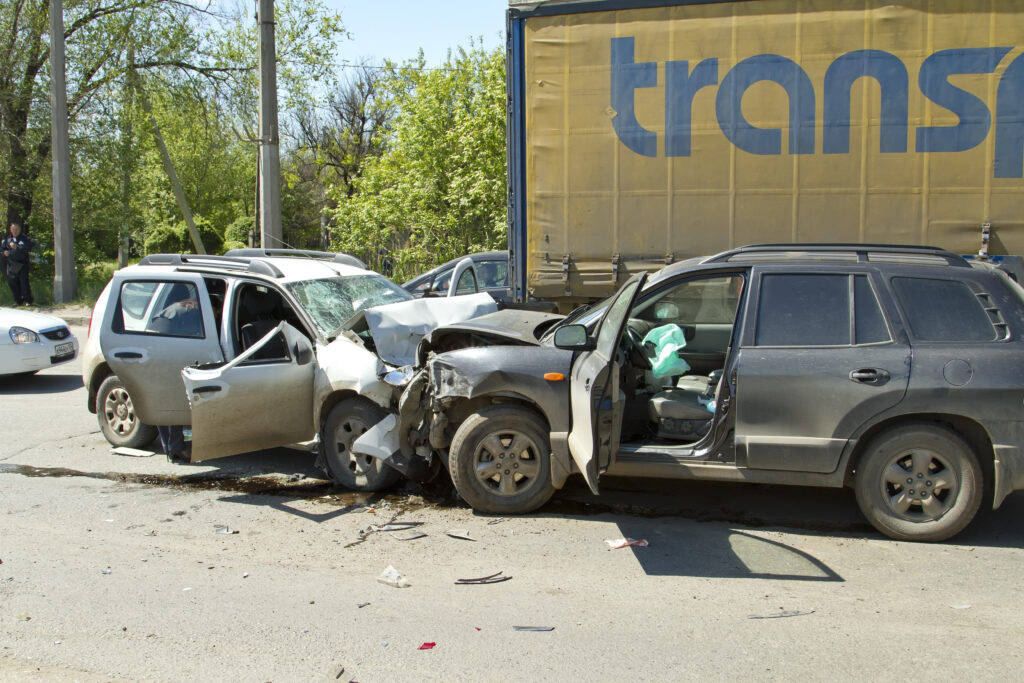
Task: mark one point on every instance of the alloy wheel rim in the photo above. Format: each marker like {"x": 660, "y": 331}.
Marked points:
{"x": 507, "y": 462}
{"x": 919, "y": 485}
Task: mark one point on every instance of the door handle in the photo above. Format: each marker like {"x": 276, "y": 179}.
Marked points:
{"x": 209, "y": 389}
{"x": 869, "y": 375}
{"x": 128, "y": 354}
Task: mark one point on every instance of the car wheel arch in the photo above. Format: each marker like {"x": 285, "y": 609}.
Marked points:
{"x": 324, "y": 408}
{"x": 970, "y": 430}
{"x": 99, "y": 374}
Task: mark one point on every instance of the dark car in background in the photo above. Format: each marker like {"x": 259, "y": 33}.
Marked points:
{"x": 491, "y": 268}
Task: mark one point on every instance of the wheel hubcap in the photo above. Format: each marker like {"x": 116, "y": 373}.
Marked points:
{"x": 348, "y": 431}
{"x": 507, "y": 463}
{"x": 119, "y": 412}
{"x": 920, "y": 486}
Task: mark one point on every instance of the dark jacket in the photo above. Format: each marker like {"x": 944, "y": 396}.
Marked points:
{"x": 17, "y": 248}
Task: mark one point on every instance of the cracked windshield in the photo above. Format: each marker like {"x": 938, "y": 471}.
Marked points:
{"x": 330, "y": 302}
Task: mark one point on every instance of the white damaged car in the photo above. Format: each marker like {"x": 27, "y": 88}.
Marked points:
{"x": 257, "y": 349}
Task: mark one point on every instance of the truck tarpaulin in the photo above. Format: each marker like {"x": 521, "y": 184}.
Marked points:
{"x": 654, "y": 133}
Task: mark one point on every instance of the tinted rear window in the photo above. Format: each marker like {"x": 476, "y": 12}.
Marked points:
{"x": 942, "y": 310}
{"x": 804, "y": 310}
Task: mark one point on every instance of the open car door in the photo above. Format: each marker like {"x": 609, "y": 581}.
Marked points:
{"x": 261, "y": 399}
{"x": 597, "y": 401}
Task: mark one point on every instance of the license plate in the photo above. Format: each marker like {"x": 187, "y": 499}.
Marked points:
{"x": 62, "y": 349}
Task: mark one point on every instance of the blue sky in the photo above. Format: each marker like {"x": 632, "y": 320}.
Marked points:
{"x": 396, "y": 29}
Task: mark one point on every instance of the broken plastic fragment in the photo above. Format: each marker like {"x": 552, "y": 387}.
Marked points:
{"x": 624, "y": 542}
{"x": 105, "y": 571}
{"x": 533, "y": 628}
{"x": 427, "y": 646}
{"x": 223, "y": 529}
{"x": 391, "y": 577}
{"x": 779, "y": 615}
{"x": 131, "y": 452}
{"x": 493, "y": 578}
{"x": 361, "y": 605}
{"x": 499, "y": 520}
{"x": 411, "y": 536}
{"x": 960, "y": 606}
{"x": 460, "y": 533}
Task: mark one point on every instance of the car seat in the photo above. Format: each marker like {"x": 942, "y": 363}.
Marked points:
{"x": 262, "y": 311}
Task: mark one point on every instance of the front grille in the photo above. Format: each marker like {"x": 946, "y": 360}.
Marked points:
{"x": 57, "y": 333}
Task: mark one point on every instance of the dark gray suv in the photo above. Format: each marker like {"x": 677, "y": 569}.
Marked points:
{"x": 898, "y": 371}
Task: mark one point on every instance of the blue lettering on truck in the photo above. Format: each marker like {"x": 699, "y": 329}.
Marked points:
{"x": 682, "y": 84}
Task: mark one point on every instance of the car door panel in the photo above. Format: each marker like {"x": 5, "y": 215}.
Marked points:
{"x": 596, "y": 399}
{"x": 799, "y": 391}
{"x": 247, "y": 405}
{"x": 149, "y": 361}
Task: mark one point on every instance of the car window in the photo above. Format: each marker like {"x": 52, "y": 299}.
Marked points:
{"x": 798, "y": 309}
{"x": 708, "y": 300}
{"x": 332, "y": 301}
{"x": 942, "y": 310}
{"x": 168, "y": 309}
{"x": 442, "y": 281}
{"x": 869, "y": 323}
{"x": 493, "y": 273}
{"x": 467, "y": 283}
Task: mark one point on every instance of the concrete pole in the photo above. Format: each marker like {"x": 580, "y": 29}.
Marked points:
{"x": 271, "y": 236}
{"x": 179, "y": 192}
{"x": 64, "y": 284}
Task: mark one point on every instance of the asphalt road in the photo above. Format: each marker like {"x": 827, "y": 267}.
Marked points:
{"x": 111, "y": 568}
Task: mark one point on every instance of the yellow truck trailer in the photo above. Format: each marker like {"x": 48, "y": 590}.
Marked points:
{"x": 645, "y": 132}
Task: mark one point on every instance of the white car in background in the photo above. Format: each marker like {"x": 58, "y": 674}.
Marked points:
{"x": 30, "y": 342}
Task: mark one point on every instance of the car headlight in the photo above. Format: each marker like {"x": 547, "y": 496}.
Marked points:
{"x": 20, "y": 335}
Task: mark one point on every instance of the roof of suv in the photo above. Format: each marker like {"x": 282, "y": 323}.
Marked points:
{"x": 274, "y": 264}
{"x": 823, "y": 253}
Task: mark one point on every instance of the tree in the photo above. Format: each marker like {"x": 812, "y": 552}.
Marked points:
{"x": 332, "y": 143}
{"x": 438, "y": 189}
{"x": 185, "y": 50}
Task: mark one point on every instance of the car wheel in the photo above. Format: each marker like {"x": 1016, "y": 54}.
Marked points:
{"x": 118, "y": 421}
{"x": 500, "y": 460}
{"x": 346, "y": 422}
{"x": 919, "y": 483}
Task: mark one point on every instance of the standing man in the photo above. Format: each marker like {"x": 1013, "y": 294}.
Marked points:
{"x": 16, "y": 247}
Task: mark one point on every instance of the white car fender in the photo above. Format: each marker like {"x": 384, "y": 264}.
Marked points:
{"x": 346, "y": 366}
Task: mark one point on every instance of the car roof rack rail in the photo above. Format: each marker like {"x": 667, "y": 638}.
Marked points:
{"x": 346, "y": 259}
{"x": 226, "y": 261}
{"x": 864, "y": 252}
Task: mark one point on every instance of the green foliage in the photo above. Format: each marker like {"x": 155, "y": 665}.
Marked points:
{"x": 237, "y": 233}
{"x": 438, "y": 189}
{"x": 175, "y": 239}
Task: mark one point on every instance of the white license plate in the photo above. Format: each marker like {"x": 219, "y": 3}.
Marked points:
{"x": 62, "y": 349}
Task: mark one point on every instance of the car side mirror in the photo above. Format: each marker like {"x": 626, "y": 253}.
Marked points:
{"x": 303, "y": 354}
{"x": 573, "y": 337}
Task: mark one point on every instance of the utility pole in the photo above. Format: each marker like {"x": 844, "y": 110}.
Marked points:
{"x": 64, "y": 284}
{"x": 271, "y": 235}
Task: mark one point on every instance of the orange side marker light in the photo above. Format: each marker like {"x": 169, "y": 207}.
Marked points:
{"x": 554, "y": 376}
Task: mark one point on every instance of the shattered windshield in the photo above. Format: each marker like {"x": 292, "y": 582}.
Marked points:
{"x": 332, "y": 301}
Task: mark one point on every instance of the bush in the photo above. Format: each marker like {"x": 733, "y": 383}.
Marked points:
{"x": 175, "y": 239}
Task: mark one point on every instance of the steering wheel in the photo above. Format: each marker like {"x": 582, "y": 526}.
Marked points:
{"x": 636, "y": 349}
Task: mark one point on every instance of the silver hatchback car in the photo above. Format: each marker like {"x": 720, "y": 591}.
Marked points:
{"x": 250, "y": 351}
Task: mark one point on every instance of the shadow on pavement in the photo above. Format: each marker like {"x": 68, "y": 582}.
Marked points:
{"x": 39, "y": 384}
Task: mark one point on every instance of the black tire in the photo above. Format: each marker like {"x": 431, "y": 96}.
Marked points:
{"x": 116, "y": 415}
{"x": 345, "y": 423}
{"x": 919, "y": 483}
{"x": 491, "y": 449}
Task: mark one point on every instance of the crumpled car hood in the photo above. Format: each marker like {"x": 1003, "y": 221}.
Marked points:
{"x": 514, "y": 325}
{"x": 398, "y": 328}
